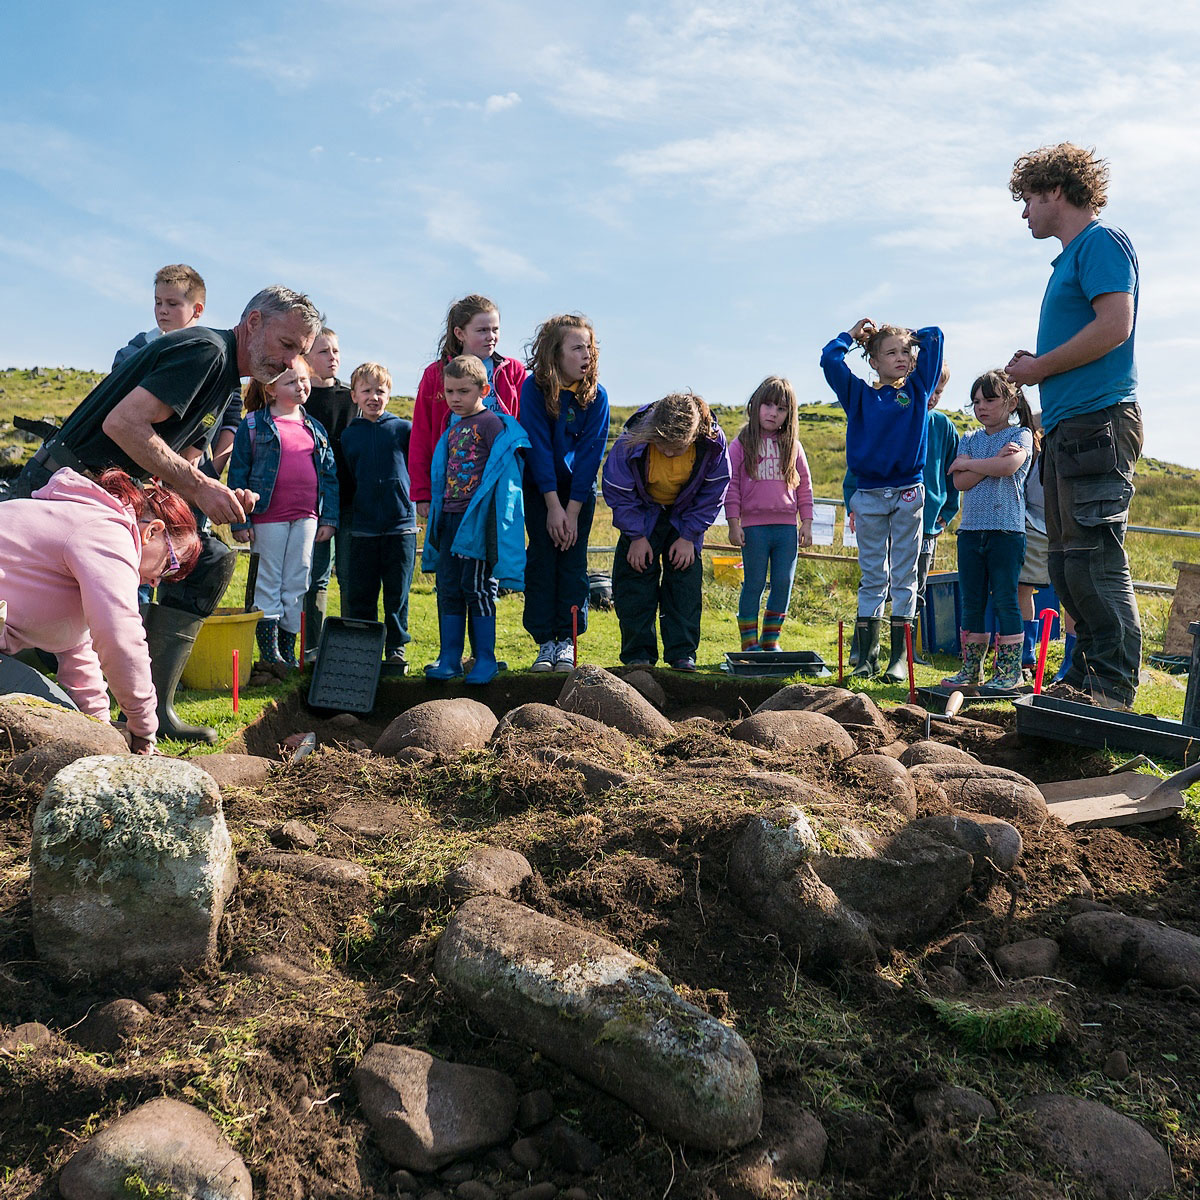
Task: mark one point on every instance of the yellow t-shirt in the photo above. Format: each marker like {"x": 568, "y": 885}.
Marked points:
{"x": 665, "y": 476}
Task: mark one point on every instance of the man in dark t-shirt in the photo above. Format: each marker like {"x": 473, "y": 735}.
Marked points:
{"x": 147, "y": 417}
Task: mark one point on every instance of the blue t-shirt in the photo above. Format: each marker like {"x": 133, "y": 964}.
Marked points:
{"x": 1096, "y": 261}
{"x": 996, "y": 502}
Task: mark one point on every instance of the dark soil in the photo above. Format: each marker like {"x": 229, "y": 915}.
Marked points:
{"x": 269, "y": 1055}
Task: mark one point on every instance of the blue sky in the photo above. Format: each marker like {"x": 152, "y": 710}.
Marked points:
{"x": 722, "y": 189}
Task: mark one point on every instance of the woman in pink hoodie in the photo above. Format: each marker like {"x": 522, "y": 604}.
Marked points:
{"x": 71, "y": 559}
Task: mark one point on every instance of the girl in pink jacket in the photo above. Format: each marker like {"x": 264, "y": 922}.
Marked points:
{"x": 770, "y": 492}
{"x": 472, "y": 327}
{"x": 71, "y": 559}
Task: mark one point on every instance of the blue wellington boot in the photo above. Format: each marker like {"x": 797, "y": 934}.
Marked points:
{"x": 1029, "y": 644}
{"x": 483, "y": 635}
{"x": 453, "y": 629}
{"x": 1068, "y": 654}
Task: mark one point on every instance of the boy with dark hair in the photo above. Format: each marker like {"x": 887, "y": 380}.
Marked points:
{"x": 475, "y": 539}
{"x": 331, "y": 404}
{"x": 383, "y": 540}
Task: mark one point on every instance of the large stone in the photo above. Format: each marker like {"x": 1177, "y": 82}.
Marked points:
{"x": 774, "y": 785}
{"x": 1111, "y": 1154}
{"x": 983, "y": 789}
{"x": 795, "y": 731}
{"x": 857, "y": 712}
{"x": 597, "y": 776}
{"x": 440, "y": 726}
{"x": 607, "y": 1015}
{"x": 905, "y": 889}
{"x": 1132, "y": 947}
{"x": 489, "y": 870}
{"x": 648, "y": 686}
{"x": 336, "y": 872}
{"x": 955, "y": 1105}
{"x": 554, "y": 726}
{"x": 936, "y": 752}
{"x": 131, "y": 865}
{"x": 112, "y": 1025}
{"x": 235, "y": 770}
{"x": 599, "y": 694}
{"x": 1028, "y": 959}
{"x": 169, "y": 1148}
{"x": 26, "y": 722}
{"x": 880, "y": 779}
{"x": 426, "y": 1112}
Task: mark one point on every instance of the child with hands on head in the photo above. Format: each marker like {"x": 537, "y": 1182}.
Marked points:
{"x": 770, "y": 493}
{"x": 281, "y": 453}
{"x": 664, "y": 479}
{"x": 565, "y": 413}
{"x": 472, "y": 328}
{"x": 886, "y": 441}
{"x": 990, "y": 471}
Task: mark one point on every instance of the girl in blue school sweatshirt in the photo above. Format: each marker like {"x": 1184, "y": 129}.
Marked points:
{"x": 886, "y": 443}
{"x": 565, "y": 413}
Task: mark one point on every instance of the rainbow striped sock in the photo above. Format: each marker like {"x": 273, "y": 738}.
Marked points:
{"x": 772, "y": 624}
{"x": 749, "y": 633}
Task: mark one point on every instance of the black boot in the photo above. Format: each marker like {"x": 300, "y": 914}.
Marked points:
{"x": 897, "y": 669}
{"x": 316, "y": 605}
{"x": 171, "y": 634}
{"x": 867, "y": 631}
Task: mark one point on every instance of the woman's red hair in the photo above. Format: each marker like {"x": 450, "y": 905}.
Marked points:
{"x": 155, "y": 502}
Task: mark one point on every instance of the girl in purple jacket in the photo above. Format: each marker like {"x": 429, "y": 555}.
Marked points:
{"x": 665, "y": 480}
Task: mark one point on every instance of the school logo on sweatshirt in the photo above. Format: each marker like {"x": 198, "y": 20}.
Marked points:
{"x": 903, "y": 399}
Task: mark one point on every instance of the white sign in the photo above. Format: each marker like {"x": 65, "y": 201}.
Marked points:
{"x": 824, "y": 517}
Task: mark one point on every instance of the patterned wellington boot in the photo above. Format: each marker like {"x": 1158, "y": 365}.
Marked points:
{"x": 772, "y": 624}
{"x": 971, "y": 674}
{"x": 1007, "y": 675}
{"x": 287, "y": 647}
{"x": 748, "y": 632}
{"x": 266, "y": 633}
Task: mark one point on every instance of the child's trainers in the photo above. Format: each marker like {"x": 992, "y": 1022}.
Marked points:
{"x": 547, "y": 656}
{"x": 564, "y": 656}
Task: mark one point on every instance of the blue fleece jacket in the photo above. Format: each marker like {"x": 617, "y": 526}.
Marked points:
{"x": 886, "y": 428}
{"x": 564, "y": 451}
{"x": 494, "y": 522}
{"x": 376, "y": 458}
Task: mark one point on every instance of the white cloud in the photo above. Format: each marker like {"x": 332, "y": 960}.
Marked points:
{"x": 457, "y": 221}
{"x": 498, "y": 104}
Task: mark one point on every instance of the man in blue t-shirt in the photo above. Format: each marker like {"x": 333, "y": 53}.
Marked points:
{"x": 1085, "y": 372}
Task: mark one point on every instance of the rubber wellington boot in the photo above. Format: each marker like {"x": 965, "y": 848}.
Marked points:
{"x": 772, "y": 624}
{"x": 1029, "y": 645}
{"x": 1007, "y": 675}
{"x": 748, "y": 634}
{"x": 316, "y": 607}
{"x": 971, "y": 674}
{"x": 867, "y": 631}
{"x": 486, "y": 668}
{"x": 266, "y": 634}
{"x": 897, "y": 669}
{"x": 171, "y": 634}
{"x": 1068, "y": 654}
{"x": 287, "y": 647}
{"x": 453, "y": 629}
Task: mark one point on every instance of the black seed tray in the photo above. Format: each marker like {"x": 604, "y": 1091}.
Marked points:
{"x": 349, "y": 660}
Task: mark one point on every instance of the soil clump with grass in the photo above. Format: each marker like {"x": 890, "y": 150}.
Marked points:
{"x": 871, "y": 1078}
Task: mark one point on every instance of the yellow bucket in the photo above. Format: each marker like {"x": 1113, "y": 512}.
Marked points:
{"x": 727, "y": 568}
{"x": 210, "y": 666}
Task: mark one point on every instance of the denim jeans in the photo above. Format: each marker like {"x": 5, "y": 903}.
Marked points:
{"x": 774, "y": 547}
{"x": 1087, "y": 470}
{"x": 888, "y": 528}
{"x": 989, "y": 565}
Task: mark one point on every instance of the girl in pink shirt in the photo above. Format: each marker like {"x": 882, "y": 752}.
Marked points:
{"x": 769, "y": 491}
{"x": 284, "y": 455}
{"x": 71, "y": 559}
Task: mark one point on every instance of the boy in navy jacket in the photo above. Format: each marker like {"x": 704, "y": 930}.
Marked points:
{"x": 383, "y": 537}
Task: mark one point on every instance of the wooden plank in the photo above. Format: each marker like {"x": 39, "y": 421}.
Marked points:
{"x": 1111, "y": 800}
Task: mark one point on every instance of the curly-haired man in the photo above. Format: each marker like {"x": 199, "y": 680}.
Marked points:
{"x": 1085, "y": 372}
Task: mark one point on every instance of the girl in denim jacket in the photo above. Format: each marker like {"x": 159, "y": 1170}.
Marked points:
{"x": 284, "y": 455}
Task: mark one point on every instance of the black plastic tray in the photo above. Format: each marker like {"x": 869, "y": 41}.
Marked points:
{"x": 776, "y": 662}
{"x": 1083, "y": 725}
{"x": 349, "y": 661}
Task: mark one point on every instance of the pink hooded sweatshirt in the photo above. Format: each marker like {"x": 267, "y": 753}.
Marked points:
{"x": 69, "y": 561}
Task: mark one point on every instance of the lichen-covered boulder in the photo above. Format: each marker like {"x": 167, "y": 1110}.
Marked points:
{"x": 427, "y": 1112}
{"x": 607, "y": 1015}
{"x": 439, "y": 726}
{"x": 601, "y": 695}
{"x": 131, "y": 865}
{"x": 163, "y": 1148}
{"x": 856, "y": 712}
{"x": 795, "y": 731}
